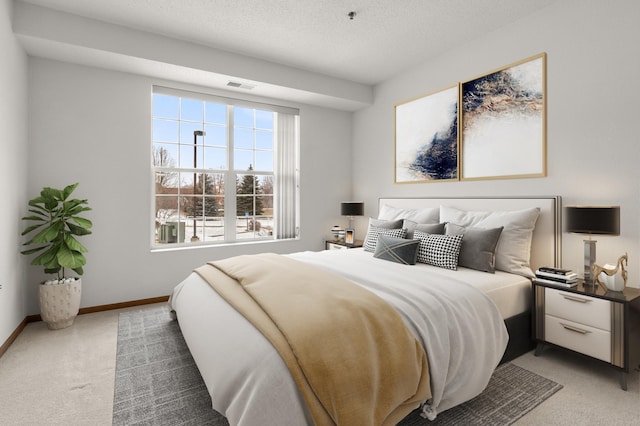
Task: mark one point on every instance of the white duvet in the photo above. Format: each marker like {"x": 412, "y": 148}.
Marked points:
{"x": 460, "y": 328}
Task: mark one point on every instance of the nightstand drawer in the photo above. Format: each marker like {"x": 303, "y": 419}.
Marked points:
{"x": 578, "y": 337}
{"x": 578, "y": 308}
{"x": 332, "y": 246}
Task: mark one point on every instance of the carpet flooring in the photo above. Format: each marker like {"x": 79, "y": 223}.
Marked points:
{"x": 158, "y": 383}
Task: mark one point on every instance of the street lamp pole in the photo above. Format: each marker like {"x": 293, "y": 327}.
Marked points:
{"x": 196, "y": 133}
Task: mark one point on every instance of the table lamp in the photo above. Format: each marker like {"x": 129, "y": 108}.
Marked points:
{"x": 592, "y": 220}
{"x": 351, "y": 209}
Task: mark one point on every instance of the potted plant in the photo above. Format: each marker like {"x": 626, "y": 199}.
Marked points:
{"x": 56, "y": 222}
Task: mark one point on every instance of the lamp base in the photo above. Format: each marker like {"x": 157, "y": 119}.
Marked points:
{"x": 589, "y": 260}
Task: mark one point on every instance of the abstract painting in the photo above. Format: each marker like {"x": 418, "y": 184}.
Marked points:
{"x": 503, "y": 122}
{"x": 426, "y": 137}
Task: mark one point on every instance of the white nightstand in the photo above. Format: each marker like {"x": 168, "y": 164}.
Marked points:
{"x": 601, "y": 324}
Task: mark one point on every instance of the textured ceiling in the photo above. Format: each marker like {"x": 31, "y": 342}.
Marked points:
{"x": 384, "y": 38}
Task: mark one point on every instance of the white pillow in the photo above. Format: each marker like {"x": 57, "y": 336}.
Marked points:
{"x": 427, "y": 215}
{"x": 513, "y": 251}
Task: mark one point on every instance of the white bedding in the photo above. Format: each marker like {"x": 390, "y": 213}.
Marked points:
{"x": 460, "y": 327}
{"x": 511, "y": 293}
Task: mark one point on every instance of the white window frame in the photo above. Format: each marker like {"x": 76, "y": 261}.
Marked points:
{"x": 285, "y": 198}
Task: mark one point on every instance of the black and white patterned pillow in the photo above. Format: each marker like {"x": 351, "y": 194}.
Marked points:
{"x": 438, "y": 250}
{"x": 374, "y": 232}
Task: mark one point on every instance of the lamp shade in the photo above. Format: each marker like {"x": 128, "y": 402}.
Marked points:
{"x": 593, "y": 220}
{"x": 352, "y": 208}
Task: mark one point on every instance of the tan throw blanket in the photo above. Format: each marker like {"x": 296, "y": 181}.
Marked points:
{"x": 348, "y": 350}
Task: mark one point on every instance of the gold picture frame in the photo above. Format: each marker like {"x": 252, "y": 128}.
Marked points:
{"x": 426, "y": 137}
{"x": 503, "y": 122}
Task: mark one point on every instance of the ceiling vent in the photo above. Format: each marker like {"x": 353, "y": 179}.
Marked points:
{"x": 240, "y": 85}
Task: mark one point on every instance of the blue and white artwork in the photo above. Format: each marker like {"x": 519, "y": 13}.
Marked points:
{"x": 426, "y": 137}
{"x": 503, "y": 123}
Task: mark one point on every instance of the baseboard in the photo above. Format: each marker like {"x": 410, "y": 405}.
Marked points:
{"x": 13, "y": 337}
{"x": 88, "y": 310}
{"x": 121, "y": 305}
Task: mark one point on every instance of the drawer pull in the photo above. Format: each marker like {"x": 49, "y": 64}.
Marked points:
{"x": 575, "y": 299}
{"x": 576, "y": 329}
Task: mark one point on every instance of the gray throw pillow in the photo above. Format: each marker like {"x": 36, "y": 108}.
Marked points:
{"x": 399, "y": 250}
{"x": 388, "y": 224}
{"x": 429, "y": 228}
{"x": 513, "y": 251}
{"x": 478, "y": 250}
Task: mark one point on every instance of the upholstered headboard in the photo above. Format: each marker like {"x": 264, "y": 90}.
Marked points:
{"x": 547, "y": 235}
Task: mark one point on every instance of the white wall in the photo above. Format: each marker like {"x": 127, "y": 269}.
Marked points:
{"x": 13, "y": 173}
{"x": 592, "y": 110}
{"x": 92, "y": 126}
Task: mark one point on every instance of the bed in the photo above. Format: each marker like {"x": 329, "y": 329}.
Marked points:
{"x": 467, "y": 320}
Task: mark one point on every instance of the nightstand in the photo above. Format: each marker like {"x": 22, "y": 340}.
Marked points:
{"x": 589, "y": 320}
{"x": 340, "y": 245}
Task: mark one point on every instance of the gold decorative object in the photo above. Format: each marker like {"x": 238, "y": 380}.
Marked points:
{"x": 611, "y": 271}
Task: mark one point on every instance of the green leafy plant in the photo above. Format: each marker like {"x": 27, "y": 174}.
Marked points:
{"x": 56, "y": 222}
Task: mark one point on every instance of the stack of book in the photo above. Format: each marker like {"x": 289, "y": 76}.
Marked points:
{"x": 555, "y": 276}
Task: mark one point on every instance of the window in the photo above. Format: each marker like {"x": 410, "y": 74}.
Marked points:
{"x": 224, "y": 170}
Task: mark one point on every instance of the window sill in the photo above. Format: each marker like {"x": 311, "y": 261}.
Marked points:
{"x": 197, "y": 246}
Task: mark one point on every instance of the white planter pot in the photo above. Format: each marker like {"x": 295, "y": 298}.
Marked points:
{"x": 60, "y": 303}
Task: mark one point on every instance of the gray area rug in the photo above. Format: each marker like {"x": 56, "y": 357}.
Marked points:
{"x": 158, "y": 383}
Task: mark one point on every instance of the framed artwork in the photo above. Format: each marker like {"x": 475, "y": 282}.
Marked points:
{"x": 426, "y": 137}
{"x": 349, "y": 236}
{"x": 503, "y": 122}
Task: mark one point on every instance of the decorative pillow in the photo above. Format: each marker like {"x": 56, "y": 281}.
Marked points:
{"x": 388, "y": 224}
{"x": 399, "y": 250}
{"x": 374, "y": 232}
{"x": 427, "y": 215}
{"x": 438, "y": 250}
{"x": 379, "y": 223}
{"x": 478, "y": 246}
{"x": 513, "y": 251}
{"x": 429, "y": 228}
